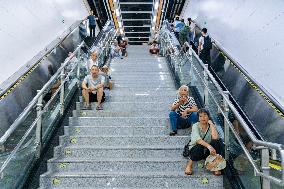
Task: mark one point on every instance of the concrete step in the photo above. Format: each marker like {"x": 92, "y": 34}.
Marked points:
{"x": 144, "y": 85}
{"x": 177, "y": 141}
{"x": 142, "y": 98}
{"x": 117, "y": 165}
{"x": 134, "y": 106}
{"x": 118, "y": 121}
{"x": 143, "y": 79}
{"x": 115, "y": 130}
{"x": 124, "y": 113}
{"x": 130, "y": 180}
{"x": 124, "y": 91}
{"x": 118, "y": 152}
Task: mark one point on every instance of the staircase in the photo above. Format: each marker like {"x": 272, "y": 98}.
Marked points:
{"x": 127, "y": 144}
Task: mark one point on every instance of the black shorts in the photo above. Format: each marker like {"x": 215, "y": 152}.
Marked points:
{"x": 93, "y": 97}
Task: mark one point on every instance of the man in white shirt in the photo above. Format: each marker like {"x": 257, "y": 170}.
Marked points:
{"x": 92, "y": 61}
{"x": 204, "y": 47}
{"x": 191, "y": 24}
{"x": 92, "y": 88}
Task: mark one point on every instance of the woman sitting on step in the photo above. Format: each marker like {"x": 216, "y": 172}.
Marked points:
{"x": 183, "y": 110}
{"x": 204, "y": 141}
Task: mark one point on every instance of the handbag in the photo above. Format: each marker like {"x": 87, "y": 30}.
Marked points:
{"x": 215, "y": 163}
{"x": 186, "y": 150}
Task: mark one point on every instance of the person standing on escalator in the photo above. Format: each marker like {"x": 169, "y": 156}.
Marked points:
{"x": 92, "y": 24}
{"x": 204, "y": 47}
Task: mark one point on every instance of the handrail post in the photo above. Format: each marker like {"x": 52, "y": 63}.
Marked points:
{"x": 206, "y": 95}
{"x": 39, "y": 126}
{"x": 226, "y": 127}
{"x": 265, "y": 167}
{"x": 62, "y": 91}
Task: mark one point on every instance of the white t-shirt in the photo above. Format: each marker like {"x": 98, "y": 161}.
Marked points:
{"x": 201, "y": 40}
{"x": 90, "y": 63}
{"x": 91, "y": 82}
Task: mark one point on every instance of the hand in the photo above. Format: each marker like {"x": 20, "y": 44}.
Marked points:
{"x": 184, "y": 114}
{"x": 92, "y": 89}
{"x": 210, "y": 122}
{"x": 212, "y": 150}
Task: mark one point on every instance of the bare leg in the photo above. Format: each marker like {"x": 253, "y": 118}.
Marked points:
{"x": 110, "y": 85}
{"x": 100, "y": 93}
{"x": 188, "y": 169}
{"x": 86, "y": 97}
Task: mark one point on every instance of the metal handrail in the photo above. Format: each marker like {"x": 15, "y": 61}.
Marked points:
{"x": 30, "y": 106}
{"x": 47, "y": 51}
{"x": 238, "y": 65}
{"x": 33, "y": 125}
{"x": 36, "y": 100}
{"x": 256, "y": 141}
{"x": 27, "y": 110}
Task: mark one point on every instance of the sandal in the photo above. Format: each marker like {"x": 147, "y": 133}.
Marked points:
{"x": 99, "y": 107}
{"x": 173, "y": 133}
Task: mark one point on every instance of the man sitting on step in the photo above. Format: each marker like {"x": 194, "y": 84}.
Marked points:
{"x": 92, "y": 89}
{"x": 183, "y": 110}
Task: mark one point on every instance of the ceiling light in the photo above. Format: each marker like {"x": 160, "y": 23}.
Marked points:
{"x": 156, "y": 5}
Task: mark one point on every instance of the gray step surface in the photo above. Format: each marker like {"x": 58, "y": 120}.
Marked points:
{"x": 114, "y": 130}
{"x": 127, "y": 145}
{"x": 124, "y": 113}
{"x": 135, "y": 106}
{"x": 118, "y": 152}
{"x": 118, "y": 121}
{"x": 124, "y": 140}
{"x": 117, "y": 165}
{"x": 131, "y": 179}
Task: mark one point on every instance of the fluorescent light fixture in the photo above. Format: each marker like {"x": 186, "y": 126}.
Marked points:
{"x": 120, "y": 24}
{"x": 156, "y": 5}
{"x": 117, "y": 12}
{"x": 154, "y": 19}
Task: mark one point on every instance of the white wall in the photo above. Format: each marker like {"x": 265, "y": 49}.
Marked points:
{"x": 251, "y": 31}
{"x": 28, "y": 26}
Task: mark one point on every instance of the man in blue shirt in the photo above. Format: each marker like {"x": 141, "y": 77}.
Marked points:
{"x": 92, "y": 24}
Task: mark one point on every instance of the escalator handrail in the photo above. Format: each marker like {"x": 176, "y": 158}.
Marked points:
{"x": 273, "y": 100}
{"x": 30, "y": 106}
{"x": 255, "y": 140}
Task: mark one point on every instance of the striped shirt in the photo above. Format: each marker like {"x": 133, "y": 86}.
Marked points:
{"x": 190, "y": 103}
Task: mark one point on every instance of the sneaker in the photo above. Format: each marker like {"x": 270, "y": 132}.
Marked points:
{"x": 99, "y": 107}
{"x": 173, "y": 133}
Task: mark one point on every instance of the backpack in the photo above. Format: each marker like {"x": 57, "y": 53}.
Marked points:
{"x": 207, "y": 46}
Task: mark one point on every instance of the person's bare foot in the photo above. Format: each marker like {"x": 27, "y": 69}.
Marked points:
{"x": 217, "y": 173}
{"x": 188, "y": 169}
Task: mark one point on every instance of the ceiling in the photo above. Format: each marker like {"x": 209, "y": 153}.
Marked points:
{"x": 136, "y": 16}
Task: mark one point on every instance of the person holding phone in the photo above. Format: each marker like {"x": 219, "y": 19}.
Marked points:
{"x": 183, "y": 110}
{"x": 204, "y": 141}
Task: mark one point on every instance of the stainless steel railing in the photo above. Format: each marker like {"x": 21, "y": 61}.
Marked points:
{"x": 203, "y": 75}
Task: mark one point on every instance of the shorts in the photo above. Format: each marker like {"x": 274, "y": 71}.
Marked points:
{"x": 93, "y": 97}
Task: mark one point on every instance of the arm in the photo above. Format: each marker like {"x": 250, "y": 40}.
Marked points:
{"x": 199, "y": 48}
{"x": 192, "y": 109}
{"x": 175, "y": 105}
{"x": 84, "y": 85}
{"x": 214, "y": 132}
